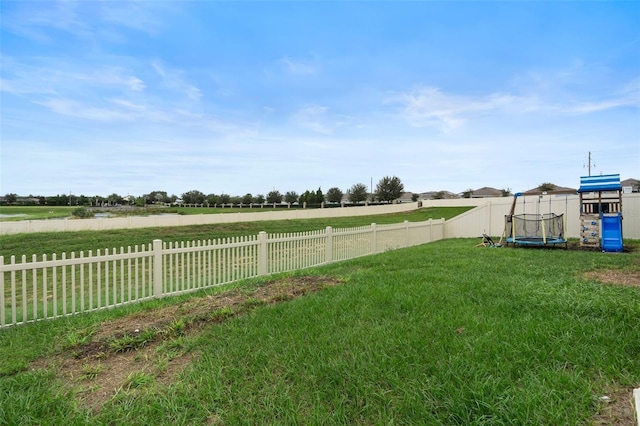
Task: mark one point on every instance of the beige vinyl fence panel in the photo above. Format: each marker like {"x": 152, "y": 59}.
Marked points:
{"x": 488, "y": 215}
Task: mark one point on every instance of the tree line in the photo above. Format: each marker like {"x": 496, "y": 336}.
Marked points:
{"x": 388, "y": 189}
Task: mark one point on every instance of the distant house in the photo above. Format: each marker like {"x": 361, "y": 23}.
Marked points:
{"x": 555, "y": 191}
{"x": 486, "y": 192}
{"x": 406, "y": 197}
{"x": 433, "y": 195}
{"x": 630, "y": 185}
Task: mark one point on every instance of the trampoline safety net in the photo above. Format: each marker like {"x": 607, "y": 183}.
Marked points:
{"x": 546, "y": 228}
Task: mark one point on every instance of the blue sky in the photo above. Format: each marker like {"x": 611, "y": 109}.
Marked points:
{"x": 128, "y": 97}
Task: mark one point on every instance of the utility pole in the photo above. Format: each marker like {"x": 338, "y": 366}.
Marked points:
{"x": 589, "y": 164}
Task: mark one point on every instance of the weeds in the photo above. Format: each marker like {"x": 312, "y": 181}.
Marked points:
{"x": 132, "y": 341}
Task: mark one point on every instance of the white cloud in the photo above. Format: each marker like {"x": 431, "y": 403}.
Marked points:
{"x": 297, "y": 67}
{"x": 45, "y": 75}
{"x": 140, "y": 16}
{"x": 82, "y": 110}
{"x": 429, "y": 106}
{"x": 315, "y": 118}
{"x": 174, "y": 80}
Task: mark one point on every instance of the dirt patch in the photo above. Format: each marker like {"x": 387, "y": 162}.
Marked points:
{"x": 617, "y": 409}
{"x": 616, "y": 276}
{"x": 618, "y": 406}
{"x": 152, "y": 347}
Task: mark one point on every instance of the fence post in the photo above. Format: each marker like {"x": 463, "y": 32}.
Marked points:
{"x": 328, "y": 248}
{"x": 406, "y": 233}
{"x": 374, "y": 239}
{"x": 2, "y": 301}
{"x": 430, "y": 230}
{"x": 157, "y": 268}
{"x": 262, "y": 253}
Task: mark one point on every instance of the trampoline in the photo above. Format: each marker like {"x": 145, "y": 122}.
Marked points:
{"x": 535, "y": 230}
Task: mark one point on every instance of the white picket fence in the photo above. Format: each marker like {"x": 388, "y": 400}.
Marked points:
{"x": 52, "y": 286}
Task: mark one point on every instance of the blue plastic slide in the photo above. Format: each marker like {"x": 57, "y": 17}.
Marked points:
{"x": 611, "y": 233}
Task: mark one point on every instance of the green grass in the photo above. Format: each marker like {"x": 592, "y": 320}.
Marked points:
{"x": 444, "y": 333}
{"x": 60, "y": 242}
{"x": 35, "y": 212}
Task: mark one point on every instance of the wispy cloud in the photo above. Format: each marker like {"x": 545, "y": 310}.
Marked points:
{"x": 142, "y": 16}
{"x": 318, "y": 119}
{"x": 36, "y": 21}
{"x": 174, "y": 80}
{"x": 297, "y": 66}
{"x": 40, "y": 21}
{"x": 627, "y": 96}
{"x": 82, "y": 110}
{"x": 431, "y": 107}
{"x": 46, "y": 75}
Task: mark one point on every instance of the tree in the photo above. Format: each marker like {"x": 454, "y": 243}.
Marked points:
{"x": 414, "y": 197}
{"x": 193, "y": 197}
{"x": 357, "y": 193}
{"x": 83, "y": 200}
{"x": 10, "y": 198}
{"x": 334, "y": 195}
{"x": 114, "y": 199}
{"x": 468, "y": 193}
{"x": 290, "y": 197}
{"x": 224, "y": 199}
{"x": 546, "y": 187}
{"x": 247, "y": 198}
{"x": 439, "y": 195}
{"x": 506, "y": 192}
{"x": 212, "y": 199}
{"x": 259, "y": 199}
{"x": 389, "y": 189}
{"x": 274, "y": 197}
{"x": 319, "y": 197}
{"x": 157, "y": 197}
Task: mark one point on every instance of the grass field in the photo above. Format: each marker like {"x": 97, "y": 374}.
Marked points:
{"x": 34, "y": 212}
{"x": 445, "y": 333}
{"x": 59, "y": 242}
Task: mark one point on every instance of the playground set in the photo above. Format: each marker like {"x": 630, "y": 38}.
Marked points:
{"x": 601, "y": 212}
{"x": 600, "y": 219}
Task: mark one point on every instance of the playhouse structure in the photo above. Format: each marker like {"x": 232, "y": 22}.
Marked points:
{"x": 601, "y": 212}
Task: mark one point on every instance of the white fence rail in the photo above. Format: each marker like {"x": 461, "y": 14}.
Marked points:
{"x": 53, "y": 286}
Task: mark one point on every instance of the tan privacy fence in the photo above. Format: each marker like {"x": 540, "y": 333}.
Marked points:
{"x": 488, "y": 216}
{"x": 169, "y": 220}
{"x": 33, "y": 289}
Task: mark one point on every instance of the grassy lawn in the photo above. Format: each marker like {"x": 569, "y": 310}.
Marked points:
{"x": 59, "y": 242}
{"x": 34, "y": 212}
{"x": 444, "y": 333}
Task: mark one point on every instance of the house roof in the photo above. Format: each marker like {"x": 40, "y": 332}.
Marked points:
{"x": 430, "y": 194}
{"x": 486, "y": 191}
{"x": 556, "y": 190}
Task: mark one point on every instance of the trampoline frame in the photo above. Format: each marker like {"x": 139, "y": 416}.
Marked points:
{"x": 543, "y": 240}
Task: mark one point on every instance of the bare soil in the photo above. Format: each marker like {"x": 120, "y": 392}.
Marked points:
{"x": 119, "y": 359}
{"x": 618, "y": 405}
